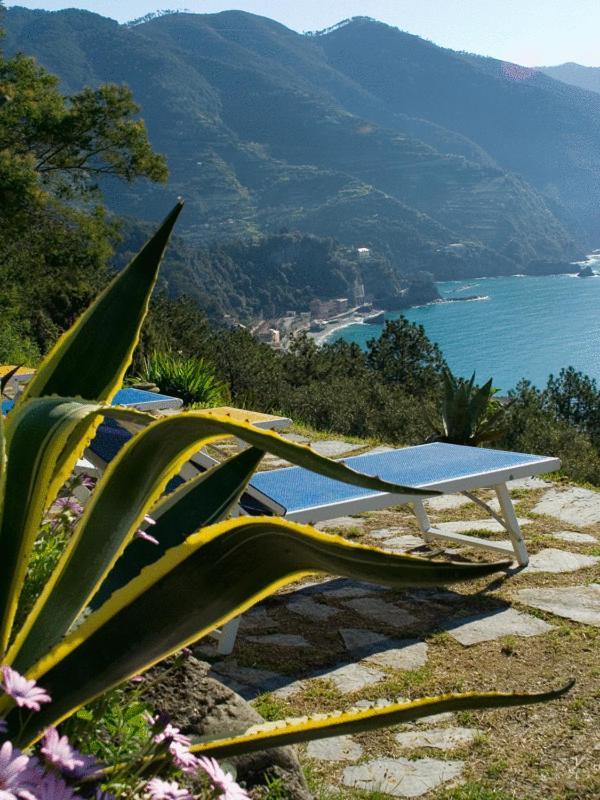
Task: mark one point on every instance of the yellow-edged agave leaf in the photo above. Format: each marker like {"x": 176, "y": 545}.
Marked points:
{"x": 322, "y": 726}
{"x": 213, "y": 577}
{"x": 91, "y": 358}
{"x": 4, "y": 380}
{"x": 195, "y": 504}
{"x": 43, "y": 439}
{"x": 131, "y": 485}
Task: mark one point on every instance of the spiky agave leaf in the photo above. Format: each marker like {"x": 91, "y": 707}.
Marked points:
{"x": 132, "y": 483}
{"x": 216, "y": 575}
{"x": 43, "y": 439}
{"x": 351, "y": 722}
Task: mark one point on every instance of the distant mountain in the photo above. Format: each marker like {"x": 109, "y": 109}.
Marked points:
{"x": 575, "y": 75}
{"x": 439, "y": 161}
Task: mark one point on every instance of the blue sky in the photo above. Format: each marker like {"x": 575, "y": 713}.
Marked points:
{"x": 530, "y": 32}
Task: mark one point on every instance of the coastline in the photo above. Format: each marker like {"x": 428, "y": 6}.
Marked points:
{"x": 321, "y": 337}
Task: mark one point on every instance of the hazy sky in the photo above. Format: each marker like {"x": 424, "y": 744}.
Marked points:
{"x": 530, "y": 32}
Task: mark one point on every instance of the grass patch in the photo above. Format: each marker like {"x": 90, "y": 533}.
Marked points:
{"x": 270, "y": 708}
{"x": 474, "y": 791}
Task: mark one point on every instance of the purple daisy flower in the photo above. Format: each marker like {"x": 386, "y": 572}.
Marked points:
{"x": 89, "y": 766}
{"x": 173, "y": 734}
{"x": 166, "y": 790}
{"x": 15, "y": 775}
{"x": 182, "y": 758}
{"x": 67, "y": 505}
{"x": 221, "y": 781}
{"x": 52, "y": 787}
{"x": 26, "y": 693}
{"x": 57, "y": 751}
{"x": 87, "y": 481}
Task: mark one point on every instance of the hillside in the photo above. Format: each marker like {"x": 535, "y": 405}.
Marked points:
{"x": 575, "y": 75}
{"x": 363, "y": 133}
{"x": 270, "y": 275}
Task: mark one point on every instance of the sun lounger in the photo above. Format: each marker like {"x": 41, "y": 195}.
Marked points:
{"x": 133, "y": 398}
{"x": 304, "y": 496}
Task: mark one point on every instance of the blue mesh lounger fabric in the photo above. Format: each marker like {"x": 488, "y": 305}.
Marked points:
{"x": 425, "y": 466}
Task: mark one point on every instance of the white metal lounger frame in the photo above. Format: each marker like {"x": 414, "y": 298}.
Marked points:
{"x": 494, "y": 479}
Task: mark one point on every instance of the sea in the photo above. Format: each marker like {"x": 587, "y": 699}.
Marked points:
{"x": 520, "y": 327}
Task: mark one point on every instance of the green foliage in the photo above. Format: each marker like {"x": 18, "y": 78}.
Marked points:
{"x": 534, "y": 427}
{"x": 113, "y": 727}
{"x": 53, "y": 149}
{"x": 403, "y": 356}
{"x": 469, "y": 414}
{"x": 268, "y": 275}
{"x": 474, "y": 791}
{"x": 191, "y": 379}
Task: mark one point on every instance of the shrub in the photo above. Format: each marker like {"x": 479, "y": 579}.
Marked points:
{"x": 191, "y": 379}
{"x": 469, "y": 414}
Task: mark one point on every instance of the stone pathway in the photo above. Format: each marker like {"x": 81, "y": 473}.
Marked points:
{"x": 574, "y": 506}
{"x": 352, "y": 638}
{"x": 487, "y": 626}
{"x": 401, "y": 777}
{"x": 577, "y": 603}
{"x": 438, "y": 738}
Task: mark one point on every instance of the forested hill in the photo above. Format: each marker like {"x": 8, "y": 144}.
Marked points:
{"x": 268, "y": 275}
{"x": 575, "y": 75}
{"x": 437, "y": 160}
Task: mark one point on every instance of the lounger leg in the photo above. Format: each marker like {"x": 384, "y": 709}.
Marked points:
{"x": 423, "y": 520}
{"x": 228, "y": 636}
{"x": 512, "y": 524}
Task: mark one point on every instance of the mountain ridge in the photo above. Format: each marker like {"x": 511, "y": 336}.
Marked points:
{"x": 265, "y": 128}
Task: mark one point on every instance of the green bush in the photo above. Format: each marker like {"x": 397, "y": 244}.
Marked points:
{"x": 191, "y": 379}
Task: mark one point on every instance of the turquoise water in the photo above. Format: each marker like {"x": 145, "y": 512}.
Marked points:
{"x": 527, "y": 327}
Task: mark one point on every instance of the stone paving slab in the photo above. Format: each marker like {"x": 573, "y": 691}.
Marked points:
{"x": 246, "y": 681}
{"x": 490, "y": 625}
{"x": 334, "y": 448}
{"x": 438, "y": 738}
{"x": 309, "y": 609}
{"x": 272, "y": 462}
{"x": 338, "y": 748}
{"x": 401, "y": 777}
{"x": 383, "y": 651}
{"x": 464, "y": 526}
{"x": 279, "y": 640}
{"x": 376, "y": 609}
{"x": 558, "y": 561}
{"x": 341, "y": 523}
{"x": 296, "y": 437}
{"x": 577, "y": 538}
{"x": 529, "y": 483}
{"x": 574, "y": 506}
{"x": 352, "y": 677}
{"x": 401, "y": 544}
{"x": 447, "y": 502}
{"x": 341, "y": 589}
{"x": 257, "y": 618}
{"x": 577, "y": 603}
{"x": 387, "y": 533}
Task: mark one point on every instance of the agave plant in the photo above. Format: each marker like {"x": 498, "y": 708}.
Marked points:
{"x": 191, "y": 379}
{"x": 207, "y": 568}
{"x": 469, "y": 413}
